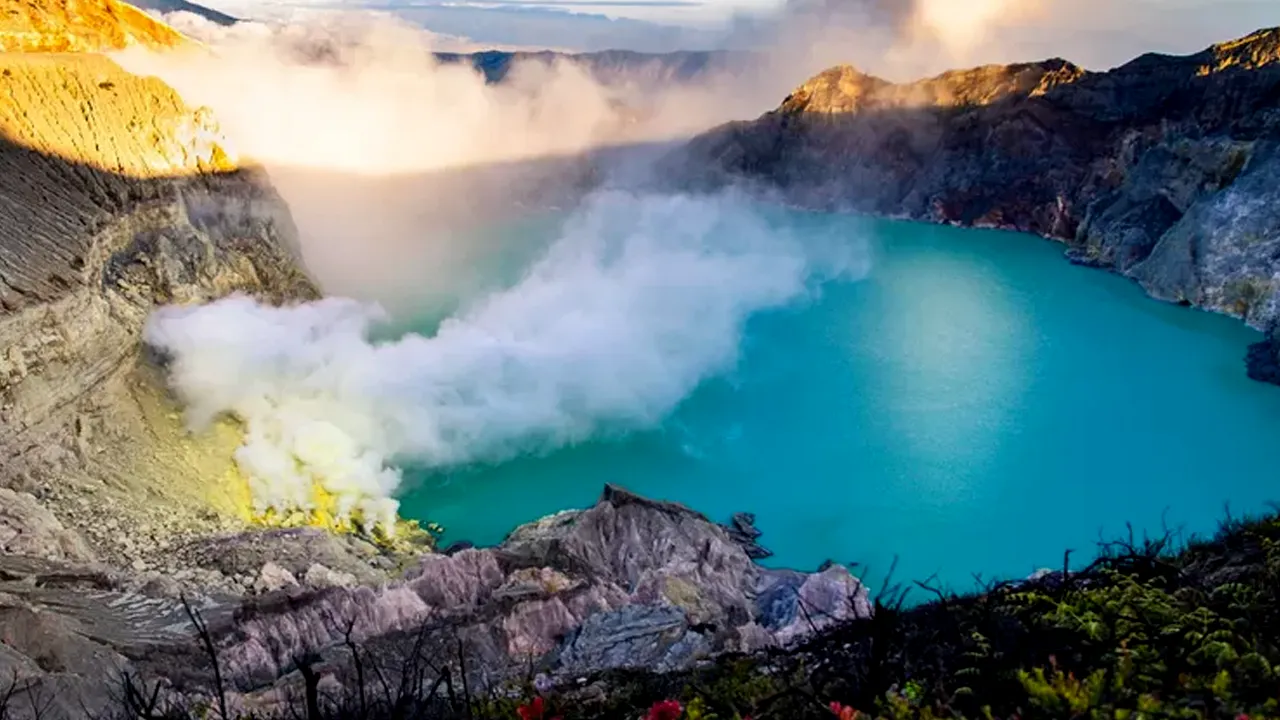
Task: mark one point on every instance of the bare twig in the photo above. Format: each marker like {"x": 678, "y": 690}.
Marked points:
{"x": 311, "y": 685}
{"x": 8, "y": 695}
{"x": 202, "y": 630}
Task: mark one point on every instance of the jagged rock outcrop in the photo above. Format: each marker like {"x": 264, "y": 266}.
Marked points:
{"x": 1263, "y": 360}
{"x": 1164, "y": 169}
{"x": 629, "y": 583}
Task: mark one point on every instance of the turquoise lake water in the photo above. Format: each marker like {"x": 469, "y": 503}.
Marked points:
{"x": 975, "y": 404}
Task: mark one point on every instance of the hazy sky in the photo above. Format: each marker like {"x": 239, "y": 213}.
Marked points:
{"x": 711, "y": 11}
{"x": 1094, "y": 33}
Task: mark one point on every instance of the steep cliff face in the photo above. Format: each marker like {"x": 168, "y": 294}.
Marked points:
{"x": 114, "y": 197}
{"x": 1164, "y": 169}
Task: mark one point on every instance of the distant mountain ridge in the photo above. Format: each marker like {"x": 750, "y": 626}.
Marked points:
{"x": 1165, "y": 169}
{"x": 682, "y": 65}
{"x": 844, "y": 89}
{"x": 495, "y": 65}
{"x": 168, "y": 6}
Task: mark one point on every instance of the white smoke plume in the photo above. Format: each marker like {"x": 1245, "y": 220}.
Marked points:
{"x": 639, "y": 300}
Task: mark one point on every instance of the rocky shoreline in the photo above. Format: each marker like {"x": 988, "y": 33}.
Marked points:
{"x": 629, "y": 583}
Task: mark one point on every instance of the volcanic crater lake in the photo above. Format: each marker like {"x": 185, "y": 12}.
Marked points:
{"x": 974, "y": 404}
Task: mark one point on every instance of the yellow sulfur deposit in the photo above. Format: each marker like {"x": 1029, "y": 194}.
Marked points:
{"x": 322, "y": 514}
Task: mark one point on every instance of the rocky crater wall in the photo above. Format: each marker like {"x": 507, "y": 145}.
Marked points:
{"x": 114, "y": 197}
{"x": 1165, "y": 169}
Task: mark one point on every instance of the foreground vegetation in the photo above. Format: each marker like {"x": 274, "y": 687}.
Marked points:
{"x": 1152, "y": 629}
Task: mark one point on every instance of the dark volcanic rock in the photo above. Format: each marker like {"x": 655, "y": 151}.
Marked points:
{"x": 754, "y": 550}
{"x": 1224, "y": 253}
{"x": 745, "y": 523}
{"x": 776, "y": 601}
{"x": 457, "y": 547}
{"x": 1163, "y": 169}
{"x": 657, "y": 638}
{"x": 742, "y": 530}
{"x": 1263, "y": 360}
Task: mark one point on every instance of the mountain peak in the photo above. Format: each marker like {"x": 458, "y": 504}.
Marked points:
{"x": 79, "y": 26}
{"x": 839, "y": 89}
{"x": 843, "y": 89}
{"x": 1260, "y": 49}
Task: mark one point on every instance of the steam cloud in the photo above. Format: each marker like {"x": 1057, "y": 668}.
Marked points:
{"x": 363, "y": 92}
{"x": 639, "y": 300}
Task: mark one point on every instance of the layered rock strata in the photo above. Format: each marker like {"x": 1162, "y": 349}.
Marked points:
{"x": 115, "y": 198}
